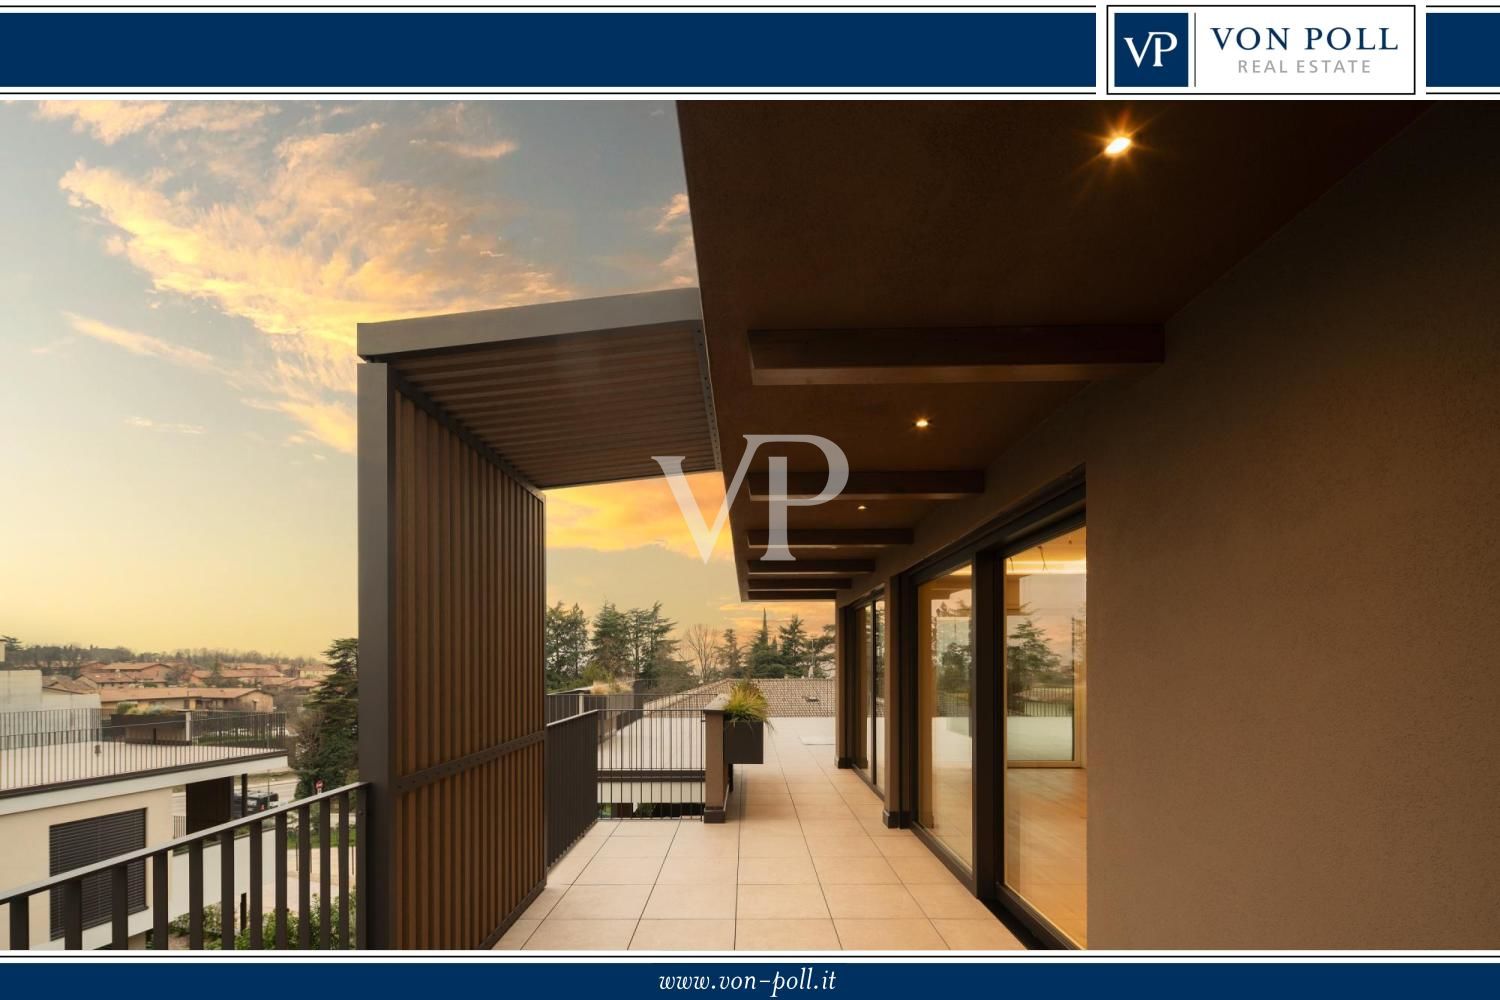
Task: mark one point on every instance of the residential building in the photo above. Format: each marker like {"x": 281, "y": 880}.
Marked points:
{"x": 1224, "y": 397}
{"x": 1227, "y": 393}
{"x": 127, "y": 674}
{"x": 76, "y": 789}
{"x": 154, "y": 699}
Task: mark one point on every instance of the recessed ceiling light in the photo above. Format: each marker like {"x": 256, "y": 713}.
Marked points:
{"x": 862, "y": 507}
{"x": 922, "y": 423}
{"x": 1118, "y": 145}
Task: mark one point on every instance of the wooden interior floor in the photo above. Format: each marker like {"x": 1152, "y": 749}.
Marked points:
{"x": 1046, "y": 849}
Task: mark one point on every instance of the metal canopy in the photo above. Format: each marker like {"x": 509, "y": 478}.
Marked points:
{"x": 566, "y": 393}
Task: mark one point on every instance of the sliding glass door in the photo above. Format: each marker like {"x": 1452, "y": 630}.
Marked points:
{"x": 868, "y": 744}
{"x": 945, "y": 710}
{"x": 877, "y": 693}
{"x": 861, "y": 626}
{"x": 1046, "y": 777}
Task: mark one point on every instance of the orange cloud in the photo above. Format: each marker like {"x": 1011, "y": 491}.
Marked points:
{"x": 303, "y": 249}
{"x": 616, "y": 516}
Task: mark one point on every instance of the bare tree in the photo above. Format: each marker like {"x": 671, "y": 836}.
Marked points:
{"x": 703, "y": 645}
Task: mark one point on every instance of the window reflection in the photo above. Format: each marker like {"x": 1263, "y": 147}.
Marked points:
{"x": 1046, "y": 790}
{"x": 945, "y": 679}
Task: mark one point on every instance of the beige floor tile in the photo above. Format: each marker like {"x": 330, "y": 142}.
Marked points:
{"x": 601, "y": 902}
{"x": 854, "y": 871}
{"x": 705, "y": 847}
{"x": 841, "y": 846}
{"x": 780, "y": 902}
{"x": 823, "y": 811}
{"x": 581, "y": 935}
{"x": 699, "y": 871}
{"x": 921, "y": 869}
{"x": 619, "y": 871}
{"x": 772, "y": 846}
{"x": 785, "y": 935}
{"x": 544, "y": 902}
{"x": 875, "y": 827}
{"x": 871, "y": 901}
{"x": 777, "y": 871}
{"x": 948, "y": 902}
{"x": 907, "y": 846}
{"x": 769, "y": 827}
{"x": 516, "y": 936}
{"x": 977, "y": 935}
{"x": 683, "y": 935}
{"x": 822, "y": 827}
{"x": 873, "y": 934}
{"x": 635, "y": 847}
{"x": 646, "y": 828}
{"x": 690, "y": 902}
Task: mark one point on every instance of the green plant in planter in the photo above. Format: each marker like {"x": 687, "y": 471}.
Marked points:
{"x": 746, "y": 703}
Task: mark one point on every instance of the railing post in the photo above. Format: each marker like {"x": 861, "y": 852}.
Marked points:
{"x": 715, "y": 772}
{"x": 160, "y": 904}
{"x": 20, "y": 923}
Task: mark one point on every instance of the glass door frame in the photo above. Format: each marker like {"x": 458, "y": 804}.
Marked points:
{"x": 860, "y": 726}
{"x": 1050, "y": 512}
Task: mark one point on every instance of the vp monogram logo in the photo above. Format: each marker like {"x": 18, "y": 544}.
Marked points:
{"x": 776, "y": 551}
{"x": 1152, "y": 49}
{"x": 1157, "y": 44}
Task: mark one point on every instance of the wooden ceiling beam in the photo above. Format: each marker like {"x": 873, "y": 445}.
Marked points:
{"x": 834, "y": 538}
{"x": 792, "y": 595}
{"x": 1074, "y": 353}
{"x": 916, "y": 485}
{"x": 810, "y": 567}
{"x": 800, "y": 582}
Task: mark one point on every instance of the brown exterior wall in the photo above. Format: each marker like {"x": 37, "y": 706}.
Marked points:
{"x": 1294, "y": 543}
{"x": 459, "y": 791}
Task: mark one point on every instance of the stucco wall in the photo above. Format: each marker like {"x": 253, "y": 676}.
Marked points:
{"x": 26, "y": 857}
{"x": 1294, "y": 556}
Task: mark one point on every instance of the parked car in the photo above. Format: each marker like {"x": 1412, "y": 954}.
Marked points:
{"x": 258, "y": 802}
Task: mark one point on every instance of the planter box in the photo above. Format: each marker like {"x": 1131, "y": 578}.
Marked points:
{"x": 744, "y": 742}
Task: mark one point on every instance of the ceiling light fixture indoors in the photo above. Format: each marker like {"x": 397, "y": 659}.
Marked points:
{"x": 1117, "y": 145}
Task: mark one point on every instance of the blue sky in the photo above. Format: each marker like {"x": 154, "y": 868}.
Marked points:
{"x": 180, "y": 285}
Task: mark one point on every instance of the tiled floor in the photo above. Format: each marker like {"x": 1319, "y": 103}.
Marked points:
{"x": 803, "y": 864}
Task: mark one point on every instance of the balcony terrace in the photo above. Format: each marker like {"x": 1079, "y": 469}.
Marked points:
{"x": 803, "y": 862}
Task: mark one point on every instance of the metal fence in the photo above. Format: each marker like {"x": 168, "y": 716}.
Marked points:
{"x": 651, "y": 761}
{"x": 129, "y": 744}
{"x": 49, "y": 720}
{"x": 321, "y": 921}
{"x": 565, "y": 704}
{"x": 1051, "y": 702}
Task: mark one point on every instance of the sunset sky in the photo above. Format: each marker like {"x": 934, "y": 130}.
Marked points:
{"x": 180, "y": 285}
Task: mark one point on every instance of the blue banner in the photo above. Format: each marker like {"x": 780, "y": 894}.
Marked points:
{"x": 677, "y": 51}
{"x": 790, "y": 978}
{"x": 1462, "y": 49}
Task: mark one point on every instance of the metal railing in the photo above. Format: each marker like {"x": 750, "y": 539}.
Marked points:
{"x": 1053, "y": 702}
{"x": 135, "y": 744}
{"x": 565, "y": 704}
{"x": 651, "y": 761}
{"x": 48, "y": 720}
{"x": 572, "y": 779}
{"x": 313, "y": 818}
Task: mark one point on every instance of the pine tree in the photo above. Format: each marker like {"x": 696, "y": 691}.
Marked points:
{"x": 328, "y": 731}
{"x": 731, "y": 657}
{"x": 796, "y": 653}
{"x": 609, "y": 647}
